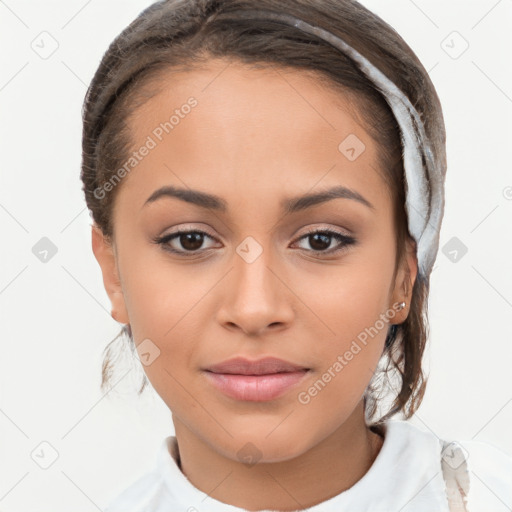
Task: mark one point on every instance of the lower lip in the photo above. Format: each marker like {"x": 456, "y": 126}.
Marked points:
{"x": 255, "y": 388}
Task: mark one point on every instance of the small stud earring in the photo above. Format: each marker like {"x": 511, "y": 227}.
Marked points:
{"x": 402, "y": 305}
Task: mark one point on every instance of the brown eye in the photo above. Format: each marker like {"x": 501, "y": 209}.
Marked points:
{"x": 191, "y": 241}
{"x": 320, "y": 241}
{"x": 187, "y": 241}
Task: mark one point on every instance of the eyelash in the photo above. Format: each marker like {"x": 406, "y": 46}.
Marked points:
{"x": 346, "y": 241}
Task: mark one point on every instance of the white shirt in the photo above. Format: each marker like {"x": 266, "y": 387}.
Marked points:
{"x": 406, "y": 476}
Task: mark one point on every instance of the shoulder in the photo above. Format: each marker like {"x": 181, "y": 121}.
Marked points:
{"x": 490, "y": 471}
{"x": 489, "y": 467}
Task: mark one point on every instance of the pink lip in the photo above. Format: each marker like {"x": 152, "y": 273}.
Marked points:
{"x": 261, "y": 380}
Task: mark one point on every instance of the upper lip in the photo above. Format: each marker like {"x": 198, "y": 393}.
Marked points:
{"x": 264, "y": 366}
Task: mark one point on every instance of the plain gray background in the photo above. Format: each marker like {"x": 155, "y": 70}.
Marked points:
{"x": 55, "y": 318}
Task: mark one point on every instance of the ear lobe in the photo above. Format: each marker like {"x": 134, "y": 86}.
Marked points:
{"x": 404, "y": 283}
{"x": 104, "y": 254}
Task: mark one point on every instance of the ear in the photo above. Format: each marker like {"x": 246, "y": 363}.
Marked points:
{"x": 104, "y": 253}
{"x": 404, "y": 282}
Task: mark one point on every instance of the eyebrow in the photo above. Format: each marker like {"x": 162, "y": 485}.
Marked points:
{"x": 289, "y": 205}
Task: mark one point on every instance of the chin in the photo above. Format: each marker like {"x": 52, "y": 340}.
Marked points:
{"x": 257, "y": 445}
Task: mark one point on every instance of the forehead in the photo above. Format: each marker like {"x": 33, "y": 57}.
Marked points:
{"x": 271, "y": 129}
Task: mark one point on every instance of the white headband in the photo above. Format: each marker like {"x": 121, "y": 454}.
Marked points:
{"x": 425, "y": 184}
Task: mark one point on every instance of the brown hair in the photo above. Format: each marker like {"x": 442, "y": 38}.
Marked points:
{"x": 184, "y": 34}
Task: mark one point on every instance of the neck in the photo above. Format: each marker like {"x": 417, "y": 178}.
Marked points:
{"x": 328, "y": 468}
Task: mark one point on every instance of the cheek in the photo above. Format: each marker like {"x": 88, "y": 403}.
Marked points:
{"x": 160, "y": 297}
{"x": 164, "y": 306}
{"x": 168, "y": 319}
{"x": 347, "y": 299}
{"x": 353, "y": 315}
{"x": 348, "y": 356}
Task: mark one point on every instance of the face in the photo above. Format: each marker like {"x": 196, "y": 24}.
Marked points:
{"x": 258, "y": 273}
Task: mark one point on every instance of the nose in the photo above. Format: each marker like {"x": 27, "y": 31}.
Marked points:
{"x": 256, "y": 298}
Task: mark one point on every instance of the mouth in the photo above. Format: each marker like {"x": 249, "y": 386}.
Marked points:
{"x": 264, "y": 366}
{"x": 262, "y": 380}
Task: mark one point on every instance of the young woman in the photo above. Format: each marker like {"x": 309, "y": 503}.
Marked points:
{"x": 266, "y": 183}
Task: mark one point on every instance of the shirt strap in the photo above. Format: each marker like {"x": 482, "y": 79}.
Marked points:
{"x": 456, "y": 476}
